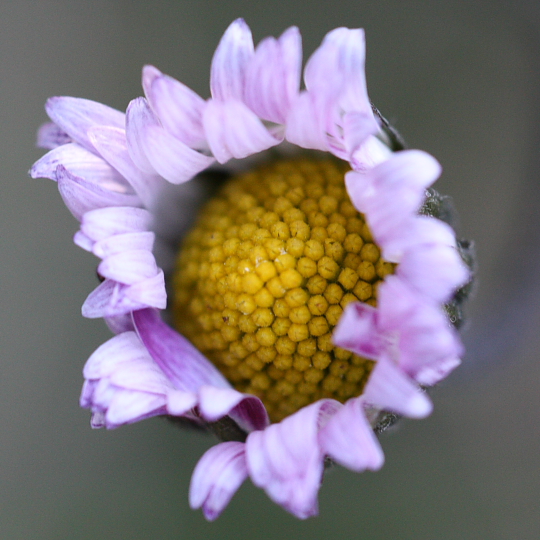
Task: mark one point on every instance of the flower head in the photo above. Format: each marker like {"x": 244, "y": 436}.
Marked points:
{"x": 385, "y": 300}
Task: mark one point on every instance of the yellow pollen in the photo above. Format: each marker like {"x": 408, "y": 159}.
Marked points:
{"x": 264, "y": 276}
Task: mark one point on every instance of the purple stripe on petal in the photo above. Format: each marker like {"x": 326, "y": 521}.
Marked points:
{"x": 104, "y": 222}
{"x": 81, "y": 196}
{"x": 217, "y": 476}
{"x": 111, "y": 143}
{"x": 178, "y": 107}
{"x": 349, "y": 440}
{"x": 230, "y": 61}
{"x": 388, "y": 388}
{"x": 185, "y": 366}
{"x": 50, "y": 136}
{"x": 273, "y": 76}
{"x": 75, "y": 116}
{"x": 129, "y": 267}
{"x": 171, "y": 158}
{"x": 233, "y": 131}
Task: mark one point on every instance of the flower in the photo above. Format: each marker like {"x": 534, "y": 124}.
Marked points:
{"x": 112, "y": 168}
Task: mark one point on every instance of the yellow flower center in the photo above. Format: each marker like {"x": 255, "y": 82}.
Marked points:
{"x": 264, "y": 276}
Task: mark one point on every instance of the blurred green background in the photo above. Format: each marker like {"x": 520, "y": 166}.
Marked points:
{"x": 458, "y": 79}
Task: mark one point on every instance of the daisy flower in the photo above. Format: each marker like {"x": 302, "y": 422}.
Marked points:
{"x": 312, "y": 299}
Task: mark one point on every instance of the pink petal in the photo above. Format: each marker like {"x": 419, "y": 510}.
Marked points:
{"x": 183, "y": 364}
{"x": 230, "y": 61}
{"x": 129, "y": 267}
{"x": 177, "y": 106}
{"x": 349, "y": 440}
{"x": 149, "y": 292}
{"x": 217, "y": 476}
{"x": 50, "y": 136}
{"x": 273, "y": 76}
{"x": 390, "y": 389}
{"x": 81, "y": 196}
{"x": 75, "y": 116}
{"x": 127, "y": 407}
{"x": 306, "y": 123}
{"x": 111, "y": 143}
{"x": 233, "y": 131}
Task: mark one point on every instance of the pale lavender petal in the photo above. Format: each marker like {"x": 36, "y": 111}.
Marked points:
{"x": 183, "y": 364}
{"x": 217, "y": 476}
{"x": 171, "y": 158}
{"x": 432, "y": 374}
{"x": 149, "y": 292}
{"x": 179, "y": 403}
{"x": 139, "y": 117}
{"x": 120, "y": 324}
{"x": 357, "y": 127}
{"x": 248, "y": 411}
{"x": 357, "y": 330}
{"x": 369, "y": 154}
{"x": 273, "y": 76}
{"x": 75, "y": 116}
{"x": 433, "y": 270}
{"x": 124, "y": 242}
{"x": 390, "y": 389}
{"x": 129, "y": 267}
{"x": 104, "y": 222}
{"x": 234, "y": 131}
{"x": 287, "y": 462}
{"x": 305, "y": 127}
{"x": 80, "y": 239}
{"x": 108, "y": 300}
{"x": 128, "y": 406}
{"x": 230, "y": 61}
{"x": 50, "y": 136}
{"x": 81, "y": 196}
{"x": 178, "y": 107}
{"x": 111, "y": 143}
{"x": 348, "y": 439}
{"x": 82, "y": 163}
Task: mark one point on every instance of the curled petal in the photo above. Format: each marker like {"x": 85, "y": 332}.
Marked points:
{"x": 230, "y": 61}
{"x": 129, "y": 267}
{"x": 273, "y": 76}
{"x": 81, "y": 196}
{"x": 82, "y": 163}
{"x": 50, "y": 136}
{"x": 111, "y": 143}
{"x": 74, "y": 116}
{"x": 358, "y": 330}
{"x": 233, "y": 131}
{"x": 349, "y": 440}
{"x": 183, "y": 364}
{"x": 248, "y": 411}
{"x": 149, "y": 292}
{"x": 286, "y": 460}
{"x": 108, "y": 299}
{"x": 390, "y": 389}
{"x": 178, "y": 108}
{"x": 217, "y": 476}
{"x": 104, "y": 222}
{"x": 171, "y": 158}
{"x": 305, "y": 123}
{"x": 124, "y": 242}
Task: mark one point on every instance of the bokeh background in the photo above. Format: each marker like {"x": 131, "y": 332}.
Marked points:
{"x": 459, "y": 79}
